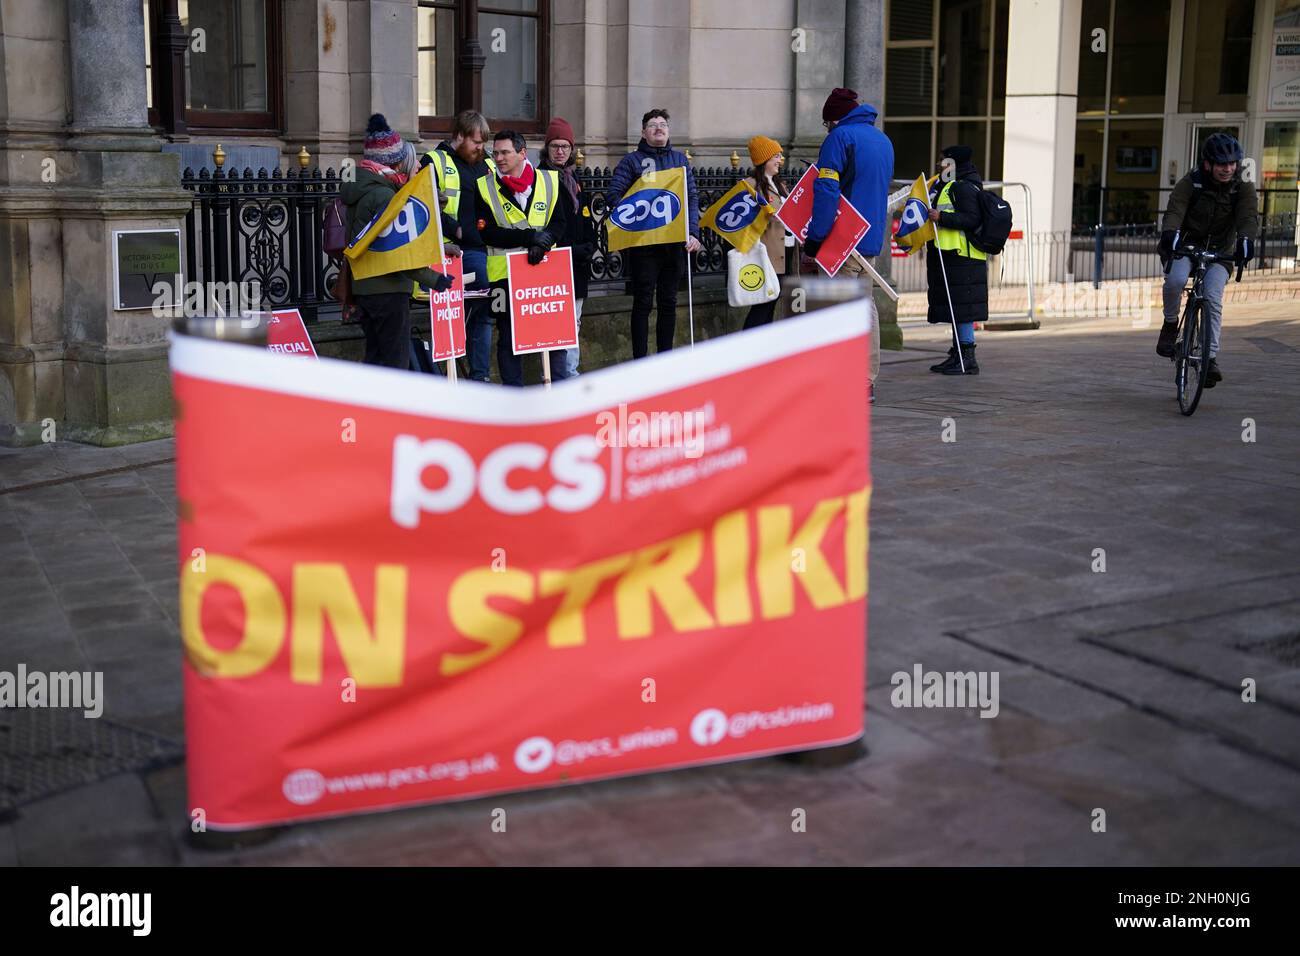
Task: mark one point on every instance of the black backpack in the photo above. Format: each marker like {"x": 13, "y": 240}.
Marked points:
{"x": 990, "y": 236}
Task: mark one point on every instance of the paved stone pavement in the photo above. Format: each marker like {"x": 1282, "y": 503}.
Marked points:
{"x": 1120, "y": 690}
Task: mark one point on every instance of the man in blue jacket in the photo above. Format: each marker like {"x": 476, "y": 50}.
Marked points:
{"x": 659, "y": 267}
{"x": 856, "y": 161}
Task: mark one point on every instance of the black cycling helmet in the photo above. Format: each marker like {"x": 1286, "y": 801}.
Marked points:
{"x": 1221, "y": 148}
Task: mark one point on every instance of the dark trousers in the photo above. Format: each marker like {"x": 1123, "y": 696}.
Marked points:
{"x": 761, "y": 314}
{"x": 654, "y": 270}
{"x": 386, "y": 321}
{"x": 510, "y": 365}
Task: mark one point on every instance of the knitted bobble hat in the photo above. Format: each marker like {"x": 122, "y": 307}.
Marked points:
{"x": 382, "y": 145}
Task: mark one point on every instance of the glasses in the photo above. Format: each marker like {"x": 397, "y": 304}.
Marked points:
{"x": 561, "y": 147}
{"x": 657, "y": 126}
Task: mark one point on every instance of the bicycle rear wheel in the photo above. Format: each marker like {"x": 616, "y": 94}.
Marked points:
{"x": 1191, "y": 357}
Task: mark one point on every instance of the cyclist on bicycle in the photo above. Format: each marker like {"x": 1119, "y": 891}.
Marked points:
{"x": 1213, "y": 209}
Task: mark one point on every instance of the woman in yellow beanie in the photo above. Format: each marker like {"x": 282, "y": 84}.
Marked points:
{"x": 766, "y": 180}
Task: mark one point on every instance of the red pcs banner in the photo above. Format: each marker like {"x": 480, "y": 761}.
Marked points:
{"x": 447, "y": 314}
{"x": 286, "y": 333}
{"x": 543, "y": 314}
{"x": 847, "y": 231}
{"x": 412, "y": 595}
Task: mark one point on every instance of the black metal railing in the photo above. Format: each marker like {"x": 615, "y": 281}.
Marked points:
{"x": 1124, "y": 205}
{"x": 1121, "y": 252}
{"x": 263, "y": 227}
{"x": 266, "y": 226}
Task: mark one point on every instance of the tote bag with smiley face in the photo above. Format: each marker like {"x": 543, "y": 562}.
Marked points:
{"x": 751, "y": 278}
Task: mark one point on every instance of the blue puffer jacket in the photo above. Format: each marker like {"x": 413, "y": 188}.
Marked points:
{"x": 632, "y": 166}
{"x": 858, "y": 159}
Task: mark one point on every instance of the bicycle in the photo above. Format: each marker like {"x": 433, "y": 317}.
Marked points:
{"x": 1192, "y": 348}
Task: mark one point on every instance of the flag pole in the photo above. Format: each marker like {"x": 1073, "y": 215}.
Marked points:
{"x": 690, "y": 299}
{"x": 546, "y": 370}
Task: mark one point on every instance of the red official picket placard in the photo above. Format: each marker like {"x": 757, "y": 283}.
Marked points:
{"x": 469, "y": 599}
{"x": 447, "y": 314}
{"x": 846, "y": 232}
{"x": 286, "y": 333}
{"x": 543, "y": 314}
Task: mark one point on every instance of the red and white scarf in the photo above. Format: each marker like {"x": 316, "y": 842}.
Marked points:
{"x": 522, "y": 184}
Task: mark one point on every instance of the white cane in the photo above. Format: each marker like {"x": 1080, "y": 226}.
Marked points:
{"x": 956, "y": 339}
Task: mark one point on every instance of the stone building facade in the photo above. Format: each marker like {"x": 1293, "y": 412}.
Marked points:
{"x": 104, "y": 102}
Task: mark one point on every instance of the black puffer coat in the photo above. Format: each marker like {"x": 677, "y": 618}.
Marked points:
{"x": 968, "y": 279}
{"x": 1204, "y": 209}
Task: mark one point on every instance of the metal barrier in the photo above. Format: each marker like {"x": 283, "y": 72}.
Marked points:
{"x": 1016, "y": 265}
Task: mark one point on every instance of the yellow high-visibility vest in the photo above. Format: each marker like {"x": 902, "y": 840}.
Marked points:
{"x": 952, "y": 239}
{"x": 447, "y": 173}
{"x": 505, "y": 213}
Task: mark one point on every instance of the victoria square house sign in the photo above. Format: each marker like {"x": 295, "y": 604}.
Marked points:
{"x": 142, "y": 258}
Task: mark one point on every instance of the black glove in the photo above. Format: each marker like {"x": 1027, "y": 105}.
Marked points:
{"x": 536, "y": 254}
{"x": 444, "y": 282}
{"x": 1245, "y": 250}
{"x": 1166, "y": 246}
{"x": 811, "y": 247}
{"x": 542, "y": 238}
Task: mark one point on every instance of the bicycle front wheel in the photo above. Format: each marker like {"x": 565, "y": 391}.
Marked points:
{"x": 1192, "y": 357}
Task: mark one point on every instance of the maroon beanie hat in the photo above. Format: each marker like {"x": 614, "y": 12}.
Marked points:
{"x": 560, "y": 129}
{"x": 839, "y": 104}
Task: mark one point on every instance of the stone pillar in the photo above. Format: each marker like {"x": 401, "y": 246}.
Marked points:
{"x": 731, "y": 99}
{"x": 817, "y": 71}
{"x": 68, "y": 357}
{"x": 1042, "y": 90}
{"x": 579, "y": 35}
{"x": 106, "y": 50}
{"x": 318, "y": 83}
{"x": 382, "y": 57}
{"x": 864, "y": 71}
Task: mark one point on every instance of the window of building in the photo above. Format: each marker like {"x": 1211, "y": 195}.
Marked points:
{"x": 945, "y": 81}
{"x": 1140, "y": 58}
{"x": 436, "y": 57}
{"x": 148, "y": 60}
{"x": 1094, "y": 55}
{"x": 232, "y": 68}
{"x": 913, "y": 153}
{"x": 1133, "y": 193}
{"x": 1123, "y": 59}
{"x": 1280, "y": 163}
{"x": 1280, "y": 169}
{"x": 1216, "y": 56}
{"x": 513, "y": 37}
{"x": 964, "y": 42}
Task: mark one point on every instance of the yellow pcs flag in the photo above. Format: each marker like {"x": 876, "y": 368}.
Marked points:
{"x": 740, "y": 216}
{"x": 406, "y": 235}
{"x": 652, "y": 212}
{"x": 914, "y": 226}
